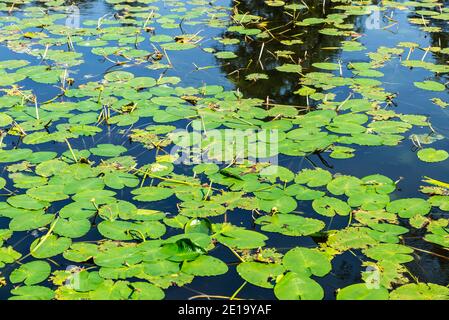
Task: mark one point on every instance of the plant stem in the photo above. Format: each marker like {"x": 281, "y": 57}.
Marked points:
{"x": 238, "y": 290}
{"x": 71, "y": 150}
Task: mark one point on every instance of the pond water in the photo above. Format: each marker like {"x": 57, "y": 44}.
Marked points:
{"x": 95, "y": 95}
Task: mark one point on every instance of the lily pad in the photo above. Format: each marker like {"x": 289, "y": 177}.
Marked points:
{"x": 32, "y": 293}
{"x": 204, "y": 266}
{"x": 293, "y": 286}
{"x": 420, "y": 291}
{"x": 362, "y": 291}
{"x": 432, "y": 155}
{"x": 430, "y": 85}
{"x": 407, "y": 208}
{"x": 31, "y": 273}
{"x": 260, "y": 274}
{"x": 307, "y": 261}
{"x": 49, "y": 246}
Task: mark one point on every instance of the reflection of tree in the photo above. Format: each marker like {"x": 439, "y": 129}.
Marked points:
{"x": 440, "y": 39}
{"x": 281, "y": 85}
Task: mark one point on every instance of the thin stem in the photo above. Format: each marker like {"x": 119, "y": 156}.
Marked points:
{"x": 238, "y": 290}
{"x": 236, "y": 254}
{"x": 71, "y": 150}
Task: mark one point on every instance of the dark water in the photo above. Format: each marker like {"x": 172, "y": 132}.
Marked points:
{"x": 394, "y": 162}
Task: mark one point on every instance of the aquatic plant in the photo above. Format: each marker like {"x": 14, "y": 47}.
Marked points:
{"x": 100, "y": 201}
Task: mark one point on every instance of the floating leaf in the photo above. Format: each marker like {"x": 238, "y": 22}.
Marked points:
{"x": 49, "y": 246}
{"x": 50, "y": 193}
{"x": 314, "y": 178}
{"x": 420, "y": 291}
{"x": 204, "y": 266}
{"x": 146, "y": 291}
{"x": 31, "y": 273}
{"x": 107, "y": 150}
{"x": 407, "y": 208}
{"x": 152, "y": 194}
{"x": 328, "y": 206}
{"x": 307, "y": 261}
{"x": 260, "y": 274}
{"x": 432, "y": 155}
{"x": 32, "y": 293}
{"x": 293, "y": 68}
{"x": 240, "y": 238}
{"x": 290, "y": 224}
{"x": 362, "y": 291}
{"x": 295, "y": 286}
{"x": 430, "y": 85}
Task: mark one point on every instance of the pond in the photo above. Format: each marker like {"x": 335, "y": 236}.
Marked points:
{"x": 224, "y": 149}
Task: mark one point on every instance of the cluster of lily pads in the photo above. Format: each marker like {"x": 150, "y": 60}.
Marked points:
{"x": 135, "y": 225}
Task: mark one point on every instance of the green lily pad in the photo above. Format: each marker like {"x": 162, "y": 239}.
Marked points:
{"x": 47, "y": 247}
{"x": 50, "y": 193}
{"x": 368, "y": 200}
{"x": 26, "y": 202}
{"x": 110, "y": 290}
{"x": 146, "y": 291}
{"x": 124, "y": 230}
{"x": 288, "y": 67}
{"x": 32, "y": 293}
{"x": 295, "y": 286}
{"x": 392, "y": 252}
{"x": 30, "y": 220}
{"x": 432, "y": 155}
{"x": 407, "y": 208}
{"x": 72, "y": 228}
{"x": 430, "y": 85}
{"x": 290, "y": 224}
{"x": 117, "y": 256}
{"x": 95, "y": 196}
{"x": 420, "y": 291}
{"x": 314, "y": 178}
{"x": 240, "y": 238}
{"x": 152, "y": 194}
{"x": 329, "y": 206}
{"x": 31, "y": 273}
{"x": 362, "y": 291}
{"x": 260, "y": 274}
{"x": 80, "y": 252}
{"x": 5, "y": 120}
{"x": 14, "y": 155}
{"x": 204, "y": 266}
{"x": 225, "y": 55}
{"x": 307, "y": 261}
{"x": 345, "y": 185}
{"x": 326, "y": 65}
{"x": 107, "y": 150}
